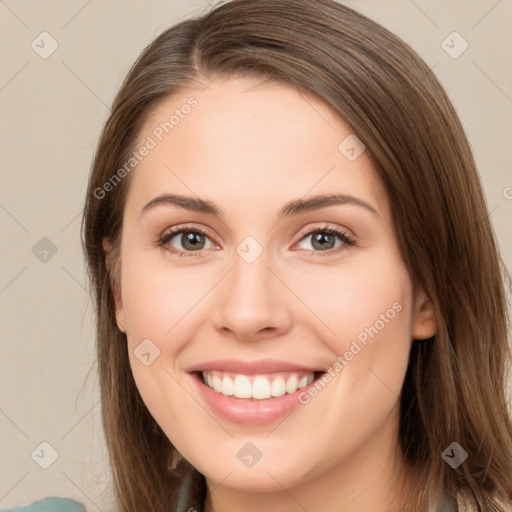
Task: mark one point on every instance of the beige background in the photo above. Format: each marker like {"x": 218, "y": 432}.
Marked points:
{"x": 52, "y": 113}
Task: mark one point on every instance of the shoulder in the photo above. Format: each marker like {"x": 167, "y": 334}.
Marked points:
{"x": 49, "y": 505}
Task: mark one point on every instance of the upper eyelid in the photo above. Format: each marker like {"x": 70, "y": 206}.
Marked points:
{"x": 176, "y": 230}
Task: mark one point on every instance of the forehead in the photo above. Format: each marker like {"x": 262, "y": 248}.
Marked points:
{"x": 260, "y": 142}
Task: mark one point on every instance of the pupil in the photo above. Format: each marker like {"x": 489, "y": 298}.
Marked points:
{"x": 322, "y": 239}
{"x": 194, "y": 239}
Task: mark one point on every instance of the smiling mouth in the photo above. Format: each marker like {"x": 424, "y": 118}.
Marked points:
{"x": 257, "y": 387}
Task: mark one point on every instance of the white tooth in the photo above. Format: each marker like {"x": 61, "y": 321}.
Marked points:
{"x": 227, "y": 386}
{"x": 303, "y": 382}
{"x": 311, "y": 378}
{"x": 243, "y": 388}
{"x": 261, "y": 388}
{"x": 209, "y": 380}
{"x": 217, "y": 384}
{"x": 291, "y": 384}
{"x": 278, "y": 387}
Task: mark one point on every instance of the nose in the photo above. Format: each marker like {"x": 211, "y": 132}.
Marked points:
{"x": 252, "y": 302}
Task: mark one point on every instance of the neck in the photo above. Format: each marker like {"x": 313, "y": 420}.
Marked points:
{"x": 368, "y": 479}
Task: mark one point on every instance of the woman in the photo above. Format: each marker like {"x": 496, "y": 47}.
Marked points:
{"x": 300, "y": 302}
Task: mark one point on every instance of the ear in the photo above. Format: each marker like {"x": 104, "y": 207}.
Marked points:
{"x": 424, "y": 320}
{"x": 112, "y": 263}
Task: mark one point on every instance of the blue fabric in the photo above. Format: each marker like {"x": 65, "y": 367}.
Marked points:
{"x": 49, "y": 505}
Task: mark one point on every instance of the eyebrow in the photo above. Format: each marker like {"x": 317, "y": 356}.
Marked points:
{"x": 291, "y": 208}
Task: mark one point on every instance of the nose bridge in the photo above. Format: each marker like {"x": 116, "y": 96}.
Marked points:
{"x": 250, "y": 300}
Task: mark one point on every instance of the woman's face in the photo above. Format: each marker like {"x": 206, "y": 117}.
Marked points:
{"x": 288, "y": 268}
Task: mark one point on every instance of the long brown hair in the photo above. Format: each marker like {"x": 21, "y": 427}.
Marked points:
{"x": 455, "y": 386}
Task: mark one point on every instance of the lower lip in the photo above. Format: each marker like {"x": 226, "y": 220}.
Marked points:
{"x": 249, "y": 411}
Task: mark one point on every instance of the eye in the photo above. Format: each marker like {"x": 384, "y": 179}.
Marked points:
{"x": 192, "y": 240}
{"x": 186, "y": 240}
{"x": 325, "y": 239}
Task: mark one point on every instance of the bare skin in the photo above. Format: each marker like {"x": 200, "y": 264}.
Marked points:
{"x": 250, "y": 149}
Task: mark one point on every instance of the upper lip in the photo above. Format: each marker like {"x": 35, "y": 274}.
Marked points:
{"x": 251, "y": 367}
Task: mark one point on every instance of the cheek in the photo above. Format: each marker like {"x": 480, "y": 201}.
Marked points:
{"x": 157, "y": 298}
{"x": 161, "y": 305}
{"x": 355, "y": 301}
{"x": 370, "y": 318}
{"x": 365, "y": 314}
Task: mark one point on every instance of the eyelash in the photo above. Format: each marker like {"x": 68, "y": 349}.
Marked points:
{"x": 169, "y": 235}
